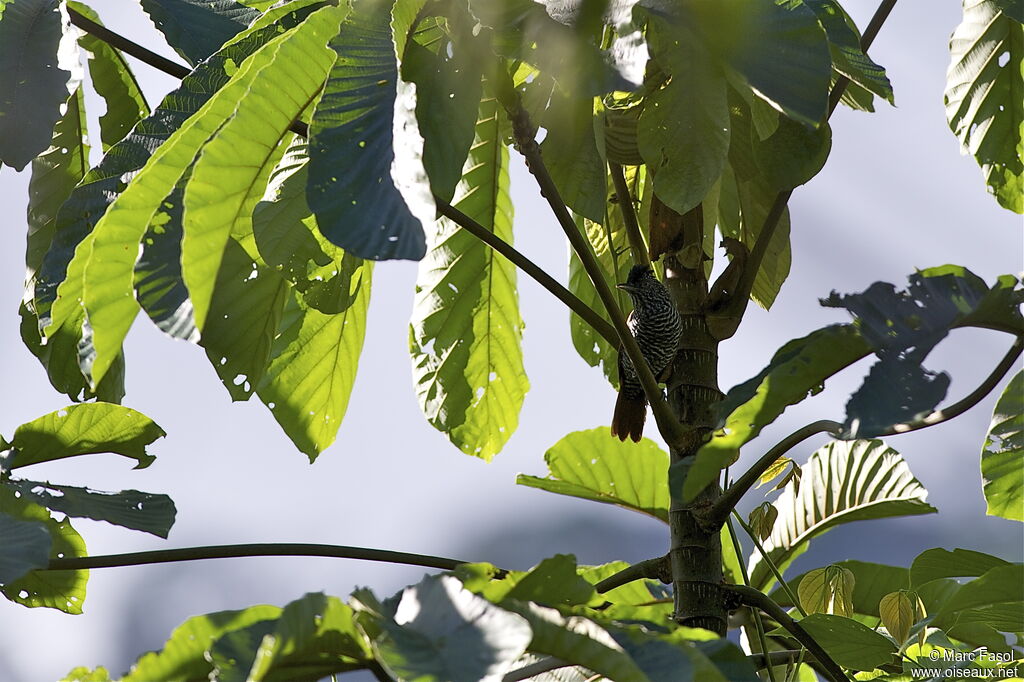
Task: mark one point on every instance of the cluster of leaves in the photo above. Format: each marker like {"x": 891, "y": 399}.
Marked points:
{"x": 30, "y": 534}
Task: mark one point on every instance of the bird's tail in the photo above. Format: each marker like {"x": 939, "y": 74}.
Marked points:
{"x": 629, "y": 416}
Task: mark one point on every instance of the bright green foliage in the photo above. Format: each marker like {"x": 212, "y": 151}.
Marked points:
{"x": 797, "y": 370}
{"x": 232, "y": 172}
{"x": 466, "y": 332}
{"x": 994, "y": 601}
{"x": 985, "y": 97}
{"x": 313, "y": 364}
{"x": 197, "y": 28}
{"x": 936, "y": 564}
{"x": 84, "y": 429}
{"x": 897, "y": 613}
{"x": 128, "y": 508}
{"x": 26, "y": 546}
{"x": 594, "y": 466}
{"x": 1002, "y": 458}
{"x": 32, "y": 86}
{"x": 62, "y": 590}
{"x": 885, "y": 487}
{"x": 182, "y": 656}
{"x": 114, "y": 81}
{"x": 827, "y": 590}
{"x": 762, "y": 519}
{"x": 683, "y": 132}
{"x": 871, "y": 583}
{"x": 554, "y": 582}
{"x": 367, "y": 185}
{"x": 849, "y": 643}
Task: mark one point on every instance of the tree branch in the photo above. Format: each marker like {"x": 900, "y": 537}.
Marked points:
{"x": 252, "y": 550}
{"x": 127, "y": 46}
{"x": 975, "y": 397}
{"x": 629, "y": 219}
{"x": 719, "y": 512}
{"x": 771, "y": 221}
{"x": 589, "y": 315}
{"x": 757, "y": 599}
{"x": 525, "y": 137}
{"x": 775, "y": 658}
{"x": 655, "y": 569}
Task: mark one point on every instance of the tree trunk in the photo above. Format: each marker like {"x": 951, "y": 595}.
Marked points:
{"x": 695, "y": 552}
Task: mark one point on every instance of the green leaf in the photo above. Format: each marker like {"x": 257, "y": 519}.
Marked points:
{"x": 577, "y": 640}
{"x": 897, "y": 614}
{"x": 762, "y": 519}
{"x": 872, "y": 582}
{"x": 83, "y": 674}
{"x": 84, "y": 429}
{"x": 197, "y": 28}
{"x": 61, "y": 590}
{"x": 554, "y": 581}
{"x": 985, "y": 97}
{"x": 313, "y": 365}
{"x": 367, "y": 185}
{"x": 465, "y": 332}
{"x": 594, "y": 466}
{"x": 26, "y": 547}
{"x": 571, "y": 155}
{"x": 848, "y": 59}
{"x": 630, "y": 594}
{"x": 756, "y": 201}
{"x": 1002, "y": 458}
{"x": 232, "y": 172}
{"x": 671, "y": 658}
{"x": 793, "y": 154}
{"x": 938, "y": 563}
{"x": 843, "y": 481}
{"x": 828, "y": 590}
{"x": 683, "y": 132}
{"x": 108, "y": 272}
{"x": 849, "y": 643}
{"x": 129, "y": 508}
{"x": 989, "y": 595}
{"x": 778, "y": 48}
{"x": 32, "y": 86}
{"x": 446, "y": 67}
{"x": 797, "y": 370}
{"x": 114, "y": 81}
{"x": 182, "y": 656}
{"x": 443, "y": 632}
{"x": 314, "y": 637}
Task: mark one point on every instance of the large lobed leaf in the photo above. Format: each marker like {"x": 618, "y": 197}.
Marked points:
{"x": 1002, "y": 458}
{"x": 842, "y": 482}
{"x": 465, "y": 333}
{"x": 32, "y": 86}
{"x": 367, "y": 186}
{"x": 985, "y": 96}
{"x": 592, "y": 466}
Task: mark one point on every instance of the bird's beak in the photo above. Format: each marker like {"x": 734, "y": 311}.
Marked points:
{"x": 625, "y": 287}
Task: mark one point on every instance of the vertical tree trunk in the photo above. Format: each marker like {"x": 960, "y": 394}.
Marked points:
{"x": 695, "y": 552}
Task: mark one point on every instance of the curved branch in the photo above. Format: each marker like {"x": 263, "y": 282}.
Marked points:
{"x": 756, "y": 598}
{"x": 573, "y": 302}
{"x": 655, "y": 569}
{"x": 163, "y": 556}
{"x": 719, "y": 512}
{"x": 975, "y": 397}
{"x": 629, "y": 219}
{"x": 525, "y": 137}
{"x": 771, "y": 221}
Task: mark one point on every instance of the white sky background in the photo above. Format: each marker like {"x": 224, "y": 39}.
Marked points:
{"x": 895, "y": 195}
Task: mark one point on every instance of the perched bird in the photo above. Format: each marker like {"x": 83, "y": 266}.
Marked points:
{"x": 656, "y": 326}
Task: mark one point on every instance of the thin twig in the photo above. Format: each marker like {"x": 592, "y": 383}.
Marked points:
{"x": 783, "y": 657}
{"x": 162, "y": 556}
{"x": 654, "y": 569}
{"x": 629, "y": 219}
{"x": 525, "y": 137}
{"x": 757, "y": 599}
{"x": 719, "y": 512}
{"x": 758, "y": 624}
{"x": 768, "y": 562}
{"x": 144, "y": 55}
{"x": 771, "y": 221}
{"x": 543, "y": 665}
{"x": 975, "y": 397}
{"x": 588, "y": 314}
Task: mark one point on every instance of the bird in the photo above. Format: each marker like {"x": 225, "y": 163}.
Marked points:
{"x": 656, "y": 326}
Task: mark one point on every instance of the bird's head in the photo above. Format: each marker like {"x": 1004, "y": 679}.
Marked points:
{"x": 640, "y": 276}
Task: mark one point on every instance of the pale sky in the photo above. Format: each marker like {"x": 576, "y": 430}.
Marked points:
{"x": 895, "y": 195}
